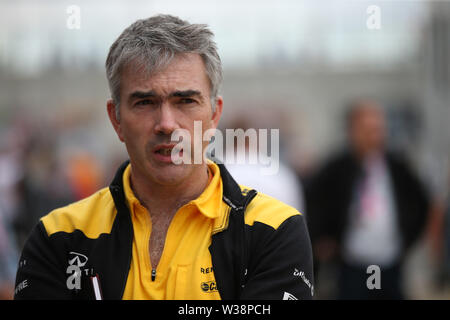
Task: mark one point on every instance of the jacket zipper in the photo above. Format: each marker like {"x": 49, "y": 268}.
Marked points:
{"x": 148, "y": 224}
{"x": 245, "y": 254}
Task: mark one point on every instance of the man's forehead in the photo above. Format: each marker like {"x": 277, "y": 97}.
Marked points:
{"x": 183, "y": 72}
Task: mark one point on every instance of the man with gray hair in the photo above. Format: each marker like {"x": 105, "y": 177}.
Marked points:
{"x": 164, "y": 230}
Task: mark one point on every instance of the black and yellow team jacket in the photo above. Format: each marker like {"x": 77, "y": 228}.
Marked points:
{"x": 229, "y": 243}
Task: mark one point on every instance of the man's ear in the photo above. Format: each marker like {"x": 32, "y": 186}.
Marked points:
{"x": 217, "y": 112}
{"x": 111, "y": 108}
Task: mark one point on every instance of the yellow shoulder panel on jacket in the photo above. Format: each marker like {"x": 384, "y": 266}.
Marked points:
{"x": 92, "y": 216}
{"x": 268, "y": 210}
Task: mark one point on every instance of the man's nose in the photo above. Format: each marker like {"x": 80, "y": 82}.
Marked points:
{"x": 167, "y": 120}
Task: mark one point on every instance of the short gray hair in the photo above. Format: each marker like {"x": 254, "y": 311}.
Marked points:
{"x": 150, "y": 44}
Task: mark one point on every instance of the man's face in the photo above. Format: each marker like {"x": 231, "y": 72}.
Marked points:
{"x": 368, "y": 130}
{"x": 152, "y": 108}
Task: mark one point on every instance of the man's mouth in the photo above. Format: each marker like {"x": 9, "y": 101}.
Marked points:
{"x": 164, "y": 152}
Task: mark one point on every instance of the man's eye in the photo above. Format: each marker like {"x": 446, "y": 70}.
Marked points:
{"x": 144, "y": 102}
{"x": 187, "y": 101}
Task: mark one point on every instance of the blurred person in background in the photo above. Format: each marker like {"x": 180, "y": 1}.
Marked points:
{"x": 438, "y": 235}
{"x": 10, "y": 175}
{"x": 43, "y": 185}
{"x": 283, "y": 185}
{"x": 443, "y": 276}
{"x": 366, "y": 207}
{"x": 8, "y": 256}
{"x": 435, "y": 235}
{"x": 446, "y": 265}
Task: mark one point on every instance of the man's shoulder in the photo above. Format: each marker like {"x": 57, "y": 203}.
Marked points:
{"x": 93, "y": 216}
{"x": 268, "y": 210}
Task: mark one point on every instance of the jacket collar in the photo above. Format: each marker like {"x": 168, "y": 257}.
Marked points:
{"x": 231, "y": 191}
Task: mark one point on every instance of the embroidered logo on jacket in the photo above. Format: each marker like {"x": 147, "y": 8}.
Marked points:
{"x": 289, "y": 296}
{"x": 76, "y": 262}
{"x": 302, "y": 276}
{"x": 209, "y": 286}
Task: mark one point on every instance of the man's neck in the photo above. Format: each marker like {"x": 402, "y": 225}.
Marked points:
{"x": 160, "y": 199}
{"x": 366, "y": 155}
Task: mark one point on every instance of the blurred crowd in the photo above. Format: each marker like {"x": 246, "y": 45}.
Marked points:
{"x": 365, "y": 204}
{"x": 39, "y": 172}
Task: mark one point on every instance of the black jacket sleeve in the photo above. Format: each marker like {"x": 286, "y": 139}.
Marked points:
{"x": 40, "y": 274}
{"x": 412, "y": 199}
{"x": 328, "y": 196}
{"x": 280, "y": 263}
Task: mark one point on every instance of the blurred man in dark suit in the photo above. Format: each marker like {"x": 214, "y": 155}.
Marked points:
{"x": 366, "y": 207}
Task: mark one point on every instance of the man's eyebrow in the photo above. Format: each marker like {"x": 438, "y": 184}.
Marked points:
{"x": 177, "y": 94}
{"x": 186, "y": 94}
{"x": 142, "y": 95}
